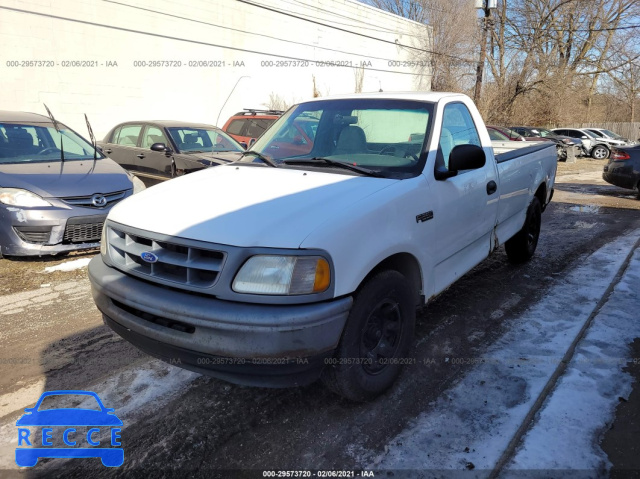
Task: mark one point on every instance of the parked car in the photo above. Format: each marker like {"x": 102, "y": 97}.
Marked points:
{"x": 160, "y": 150}
{"x": 316, "y": 268}
{"x": 248, "y": 125}
{"x": 623, "y": 169}
{"x": 53, "y": 202}
{"x": 608, "y": 137}
{"x": 593, "y": 145}
{"x": 506, "y": 133}
{"x": 563, "y": 142}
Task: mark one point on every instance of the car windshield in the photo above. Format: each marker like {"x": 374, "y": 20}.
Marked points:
{"x": 495, "y": 135}
{"x": 203, "y": 140}
{"x": 26, "y": 143}
{"x": 377, "y": 134}
{"x": 611, "y": 134}
{"x": 597, "y": 133}
{"x": 513, "y": 134}
{"x": 543, "y": 132}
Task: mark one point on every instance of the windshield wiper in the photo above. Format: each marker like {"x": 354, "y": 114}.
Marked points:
{"x": 339, "y": 164}
{"x": 260, "y": 156}
{"x": 55, "y": 125}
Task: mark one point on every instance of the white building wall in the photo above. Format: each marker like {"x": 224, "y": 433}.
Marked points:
{"x": 45, "y": 41}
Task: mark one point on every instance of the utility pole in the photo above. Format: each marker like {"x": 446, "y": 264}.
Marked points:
{"x": 486, "y": 6}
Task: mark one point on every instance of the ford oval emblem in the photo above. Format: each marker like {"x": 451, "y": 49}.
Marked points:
{"x": 149, "y": 257}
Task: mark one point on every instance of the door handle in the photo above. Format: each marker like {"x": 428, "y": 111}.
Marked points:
{"x": 107, "y": 151}
{"x": 141, "y": 155}
{"x": 492, "y": 187}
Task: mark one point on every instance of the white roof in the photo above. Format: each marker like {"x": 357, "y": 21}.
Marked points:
{"x": 427, "y": 96}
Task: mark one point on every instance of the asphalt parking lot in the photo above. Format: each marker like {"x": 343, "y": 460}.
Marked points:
{"x": 177, "y": 422}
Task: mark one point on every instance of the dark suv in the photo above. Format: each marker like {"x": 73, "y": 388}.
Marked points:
{"x": 248, "y": 125}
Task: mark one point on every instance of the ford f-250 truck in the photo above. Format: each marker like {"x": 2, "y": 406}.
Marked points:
{"x": 309, "y": 257}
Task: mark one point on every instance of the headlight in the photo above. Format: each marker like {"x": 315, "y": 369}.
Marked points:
{"x": 103, "y": 241}
{"x": 138, "y": 185}
{"x": 18, "y": 197}
{"x": 283, "y": 275}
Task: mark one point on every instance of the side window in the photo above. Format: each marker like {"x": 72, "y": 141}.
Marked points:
{"x": 153, "y": 134}
{"x": 458, "y": 128}
{"x": 235, "y": 127}
{"x": 128, "y": 135}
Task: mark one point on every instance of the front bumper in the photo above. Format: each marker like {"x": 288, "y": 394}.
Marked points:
{"x": 252, "y": 344}
{"x": 53, "y": 222}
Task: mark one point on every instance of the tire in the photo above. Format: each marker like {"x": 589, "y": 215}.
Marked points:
{"x": 600, "y": 152}
{"x": 523, "y": 245}
{"x": 377, "y": 337}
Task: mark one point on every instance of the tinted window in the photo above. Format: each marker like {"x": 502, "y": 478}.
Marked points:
{"x": 257, "y": 126}
{"x": 235, "y": 127}
{"x": 203, "y": 139}
{"x": 153, "y": 135}
{"x": 127, "y": 135}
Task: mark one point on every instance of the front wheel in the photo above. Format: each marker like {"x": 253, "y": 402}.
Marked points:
{"x": 521, "y": 247}
{"x": 600, "y": 152}
{"x": 376, "y": 340}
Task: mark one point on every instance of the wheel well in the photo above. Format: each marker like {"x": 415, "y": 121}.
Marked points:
{"x": 404, "y": 263}
{"x": 541, "y": 194}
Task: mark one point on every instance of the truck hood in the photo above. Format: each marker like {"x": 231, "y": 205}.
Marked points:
{"x": 55, "y": 179}
{"x": 245, "y": 205}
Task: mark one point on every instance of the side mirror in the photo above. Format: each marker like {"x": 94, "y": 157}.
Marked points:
{"x": 243, "y": 145}
{"x": 161, "y": 148}
{"x": 466, "y": 157}
{"x": 584, "y": 137}
{"x": 251, "y": 142}
{"x": 462, "y": 157}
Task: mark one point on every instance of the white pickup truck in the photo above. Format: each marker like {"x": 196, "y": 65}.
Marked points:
{"x": 309, "y": 256}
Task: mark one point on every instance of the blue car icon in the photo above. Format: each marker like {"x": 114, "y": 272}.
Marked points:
{"x": 68, "y": 417}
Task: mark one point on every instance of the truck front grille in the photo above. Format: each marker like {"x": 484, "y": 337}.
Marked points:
{"x": 181, "y": 265}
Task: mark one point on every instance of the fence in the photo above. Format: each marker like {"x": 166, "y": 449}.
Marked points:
{"x": 627, "y": 130}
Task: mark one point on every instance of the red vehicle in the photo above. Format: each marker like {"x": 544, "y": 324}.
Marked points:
{"x": 297, "y": 139}
{"x": 248, "y": 124}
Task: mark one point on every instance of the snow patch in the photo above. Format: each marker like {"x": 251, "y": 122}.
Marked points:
{"x": 69, "y": 265}
{"x": 475, "y": 420}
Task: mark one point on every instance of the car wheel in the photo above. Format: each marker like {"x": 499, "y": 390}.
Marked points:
{"x": 376, "y": 340}
{"x": 600, "y": 152}
{"x": 523, "y": 245}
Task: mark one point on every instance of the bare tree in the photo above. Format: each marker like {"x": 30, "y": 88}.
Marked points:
{"x": 448, "y": 50}
{"x": 276, "y": 102}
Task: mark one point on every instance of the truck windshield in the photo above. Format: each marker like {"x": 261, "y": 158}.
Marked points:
{"x": 382, "y": 135}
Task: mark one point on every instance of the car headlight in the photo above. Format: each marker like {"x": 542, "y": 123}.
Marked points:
{"x": 103, "y": 241}
{"x": 138, "y": 185}
{"x": 283, "y": 275}
{"x": 19, "y": 197}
